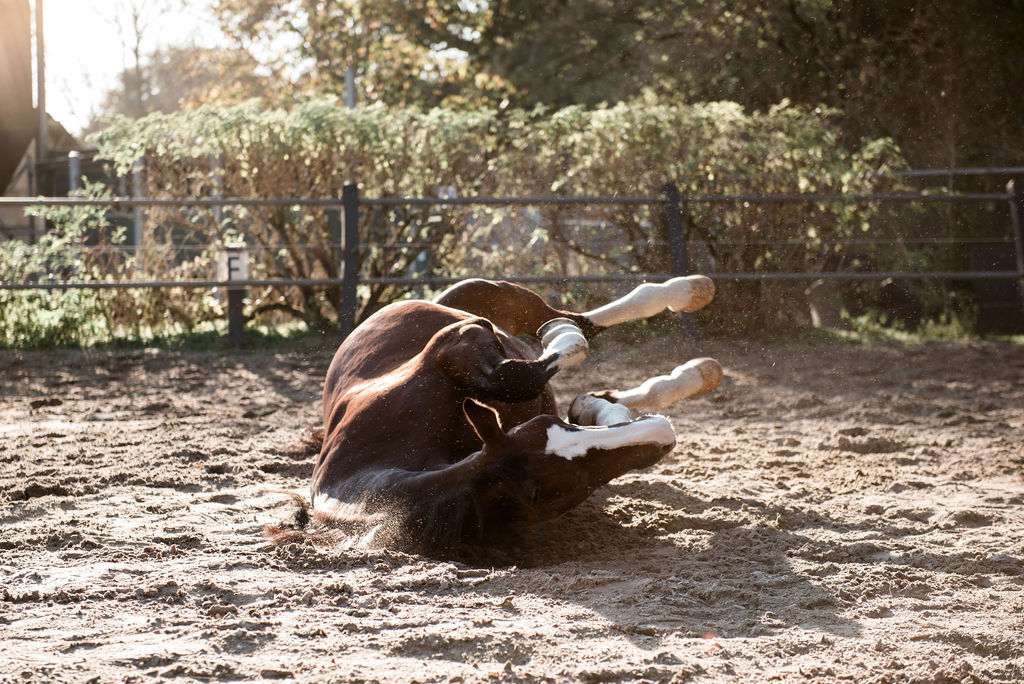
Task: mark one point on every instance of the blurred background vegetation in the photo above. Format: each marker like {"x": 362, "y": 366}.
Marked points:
{"x": 574, "y": 97}
{"x": 940, "y": 78}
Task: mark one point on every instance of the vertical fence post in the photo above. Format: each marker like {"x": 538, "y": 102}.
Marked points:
{"x": 74, "y": 170}
{"x": 233, "y": 264}
{"x": 1016, "y": 190}
{"x": 138, "y": 214}
{"x": 677, "y": 246}
{"x": 350, "y": 260}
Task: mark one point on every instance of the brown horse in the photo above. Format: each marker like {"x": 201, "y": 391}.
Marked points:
{"x": 440, "y": 428}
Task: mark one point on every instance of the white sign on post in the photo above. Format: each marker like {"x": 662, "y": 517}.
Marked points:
{"x": 233, "y": 263}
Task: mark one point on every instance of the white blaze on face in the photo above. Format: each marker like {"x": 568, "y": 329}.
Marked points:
{"x": 686, "y": 293}
{"x": 689, "y": 380}
{"x": 564, "y": 343}
{"x": 570, "y": 444}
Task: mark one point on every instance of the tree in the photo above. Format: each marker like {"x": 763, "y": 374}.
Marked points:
{"x": 184, "y": 77}
{"x": 167, "y": 78}
{"x": 388, "y": 43}
{"x": 940, "y": 78}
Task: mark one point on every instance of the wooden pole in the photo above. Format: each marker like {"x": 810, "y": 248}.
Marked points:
{"x": 1016, "y": 191}
{"x": 677, "y": 246}
{"x": 350, "y": 260}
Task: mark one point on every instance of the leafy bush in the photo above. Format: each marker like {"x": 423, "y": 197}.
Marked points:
{"x": 712, "y": 149}
{"x": 317, "y": 147}
{"x": 311, "y": 151}
{"x": 51, "y": 318}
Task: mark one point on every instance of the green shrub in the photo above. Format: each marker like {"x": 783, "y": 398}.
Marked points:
{"x": 55, "y": 317}
{"x": 632, "y": 148}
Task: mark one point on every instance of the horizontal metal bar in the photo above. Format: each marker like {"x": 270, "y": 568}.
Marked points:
{"x": 857, "y": 197}
{"x": 255, "y": 249}
{"x": 444, "y": 280}
{"x": 122, "y": 203}
{"x": 152, "y": 284}
{"x": 128, "y": 202}
{"x": 447, "y": 280}
{"x": 508, "y": 201}
{"x": 977, "y": 171}
{"x": 873, "y": 275}
{"x": 311, "y": 282}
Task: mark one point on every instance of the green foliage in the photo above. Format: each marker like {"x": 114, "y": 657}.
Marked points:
{"x": 310, "y": 151}
{"x": 631, "y": 148}
{"x": 84, "y": 246}
{"x": 893, "y": 69}
{"x": 711, "y": 149}
{"x": 54, "y": 318}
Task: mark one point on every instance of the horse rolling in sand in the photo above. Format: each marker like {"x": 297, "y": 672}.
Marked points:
{"x": 440, "y": 428}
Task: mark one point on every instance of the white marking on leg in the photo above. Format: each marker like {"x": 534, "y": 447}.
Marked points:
{"x": 570, "y": 444}
{"x": 564, "y": 344}
{"x": 689, "y": 380}
{"x": 686, "y": 293}
{"x": 587, "y": 409}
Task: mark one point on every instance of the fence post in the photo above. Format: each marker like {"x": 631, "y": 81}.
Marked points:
{"x": 350, "y": 260}
{"x": 1017, "y": 216}
{"x": 677, "y": 246}
{"x": 138, "y": 214}
{"x": 74, "y": 170}
{"x": 233, "y": 264}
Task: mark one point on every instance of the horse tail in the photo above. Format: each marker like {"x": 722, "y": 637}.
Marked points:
{"x": 295, "y": 529}
{"x": 309, "y": 443}
{"x": 313, "y": 440}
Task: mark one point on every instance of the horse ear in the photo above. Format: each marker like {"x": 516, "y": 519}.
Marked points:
{"x": 484, "y": 420}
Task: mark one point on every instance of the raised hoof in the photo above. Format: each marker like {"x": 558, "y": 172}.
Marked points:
{"x": 586, "y": 409}
{"x": 689, "y": 293}
{"x": 563, "y": 342}
{"x": 689, "y": 380}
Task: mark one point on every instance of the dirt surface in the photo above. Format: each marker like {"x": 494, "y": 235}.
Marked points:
{"x": 831, "y": 513}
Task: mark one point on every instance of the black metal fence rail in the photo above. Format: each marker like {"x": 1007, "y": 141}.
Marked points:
{"x": 195, "y": 283}
{"x": 130, "y": 203}
{"x": 343, "y": 214}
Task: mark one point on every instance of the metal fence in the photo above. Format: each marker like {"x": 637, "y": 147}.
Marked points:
{"x": 343, "y": 215}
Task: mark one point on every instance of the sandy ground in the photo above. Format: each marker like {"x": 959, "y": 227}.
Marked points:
{"x": 831, "y": 513}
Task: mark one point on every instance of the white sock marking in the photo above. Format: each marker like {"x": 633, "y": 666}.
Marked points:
{"x": 686, "y": 293}
{"x": 590, "y": 410}
{"x": 570, "y": 444}
{"x": 689, "y": 380}
{"x": 564, "y": 343}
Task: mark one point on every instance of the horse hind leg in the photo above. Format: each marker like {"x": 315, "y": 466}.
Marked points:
{"x": 685, "y": 293}
{"x": 513, "y": 308}
{"x": 611, "y": 407}
{"x": 520, "y": 311}
{"x": 564, "y": 335}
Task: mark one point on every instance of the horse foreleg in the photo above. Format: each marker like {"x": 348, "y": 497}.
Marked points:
{"x": 611, "y": 407}
{"x": 689, "y": 380}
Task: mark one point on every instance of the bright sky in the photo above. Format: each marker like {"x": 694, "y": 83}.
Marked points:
{"x": 86, "y": 50}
